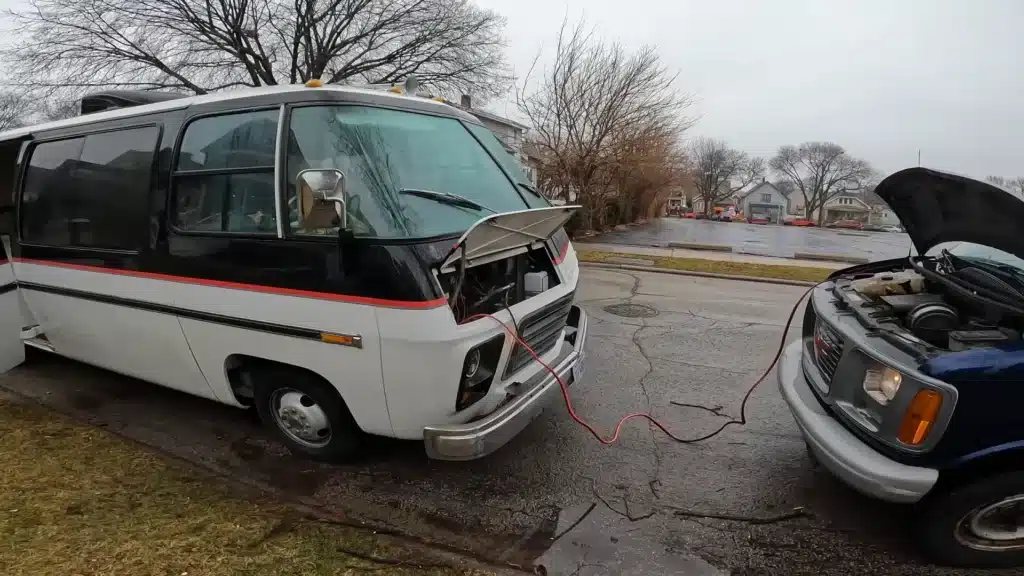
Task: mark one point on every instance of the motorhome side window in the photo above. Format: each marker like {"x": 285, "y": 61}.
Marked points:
{"x": 89, "y": 191}
{"x": 224, "y": 179}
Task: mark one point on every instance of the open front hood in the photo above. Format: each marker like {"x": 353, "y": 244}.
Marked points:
{"x": 508, "y": 230}
{"x": 936, "y": 207}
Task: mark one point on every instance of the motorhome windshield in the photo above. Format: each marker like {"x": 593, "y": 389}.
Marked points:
{"x": 385, "y": 153}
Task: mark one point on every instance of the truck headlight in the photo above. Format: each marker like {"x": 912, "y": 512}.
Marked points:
{"x": 882, "y": 383}
{"x": 478, "y": 371}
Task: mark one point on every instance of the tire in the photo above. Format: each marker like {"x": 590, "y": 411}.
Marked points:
{"x": 310, "y": 406}
{"x": 947, "y": 523}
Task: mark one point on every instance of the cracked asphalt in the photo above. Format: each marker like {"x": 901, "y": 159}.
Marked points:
{"x": 748, "y": 501}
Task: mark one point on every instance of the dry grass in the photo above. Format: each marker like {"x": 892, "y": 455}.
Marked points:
{"x": 803, "y": 273}
{"x": 77, "y": 500}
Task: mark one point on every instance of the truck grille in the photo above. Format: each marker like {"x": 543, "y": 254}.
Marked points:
{"x": 828, "y": 348}
{"x": 540, "y": 330}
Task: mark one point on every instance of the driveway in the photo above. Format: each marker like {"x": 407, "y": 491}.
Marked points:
{"x": 655, "y": 506}
{"x": 765, "y": 240}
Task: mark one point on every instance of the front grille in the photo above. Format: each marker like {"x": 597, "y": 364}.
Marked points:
{"x": 540, "y": 330}
{"x": 828, "y": 348}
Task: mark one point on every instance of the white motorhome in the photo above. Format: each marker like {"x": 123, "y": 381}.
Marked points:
{"x": 337, "y": 258}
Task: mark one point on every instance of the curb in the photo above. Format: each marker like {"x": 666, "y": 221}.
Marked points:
{"x": 830, "y": 258}
{"x": 657, "y": 270}
{"x": 708, "y": 247}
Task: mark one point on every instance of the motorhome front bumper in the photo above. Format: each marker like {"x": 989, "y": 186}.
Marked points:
{"x": 481, "y": 437}
{"x": 844, "y": 454}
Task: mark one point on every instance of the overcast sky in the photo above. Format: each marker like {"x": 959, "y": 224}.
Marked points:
{"x": 883, "y": 78}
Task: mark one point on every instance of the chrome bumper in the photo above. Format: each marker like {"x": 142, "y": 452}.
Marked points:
{"x": 481, "y": 437}
{"x": 844, "y": 454}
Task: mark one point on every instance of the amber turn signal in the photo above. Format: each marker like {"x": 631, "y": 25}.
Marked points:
{"x": 920, "y": 417}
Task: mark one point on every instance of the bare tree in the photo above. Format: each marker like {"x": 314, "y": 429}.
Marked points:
{"x": 199, "y": 46}
{"x": 51, "y": 110}
{"x": 13, "y": 110}
{"x": 720, "y": 171}
{"x": 821, "y": 171}
{"x": 595, "y": 112}
{"x": 1014, "y": 185}
{"x": 996, "y": 181}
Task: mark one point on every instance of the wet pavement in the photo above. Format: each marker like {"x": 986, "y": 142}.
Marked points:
{"x": 748, "y": 501}
{"x": 764, "y": 240}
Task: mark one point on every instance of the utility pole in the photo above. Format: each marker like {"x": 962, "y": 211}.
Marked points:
{"x": 918, "y": 157}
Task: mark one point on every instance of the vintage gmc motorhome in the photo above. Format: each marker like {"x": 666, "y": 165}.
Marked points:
{"x": 340, "y": 259}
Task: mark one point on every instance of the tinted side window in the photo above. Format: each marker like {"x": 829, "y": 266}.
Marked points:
{"x": 112, "y": 183}
{"x": 45, "y": 200}
{"x": 224, "y": 179}
{"x": 91, "y": 191}
{"x": 231, "y": 141}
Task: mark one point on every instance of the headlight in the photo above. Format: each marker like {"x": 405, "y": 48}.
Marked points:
{"x": 882, "y": 383}
{"x": 478, "y": 371}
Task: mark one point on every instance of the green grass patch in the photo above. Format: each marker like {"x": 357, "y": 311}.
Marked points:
{"x": 803, "y": 273}
{"x": 78, "y": 500}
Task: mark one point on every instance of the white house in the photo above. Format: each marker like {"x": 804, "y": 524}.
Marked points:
{"x": 509, "y": 132}
{"x": 846, "y": 207}
{"x": 764, "y": 201}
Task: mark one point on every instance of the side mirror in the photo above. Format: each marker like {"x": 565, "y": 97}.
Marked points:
{"x": 322, "y": 199}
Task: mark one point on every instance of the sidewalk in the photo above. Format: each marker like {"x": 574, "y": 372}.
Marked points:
{"x": 640, "y": 251}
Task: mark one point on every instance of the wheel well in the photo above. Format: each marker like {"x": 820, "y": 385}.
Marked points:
{"x": 240, "y": 368}
{"x": 987, "y": 466}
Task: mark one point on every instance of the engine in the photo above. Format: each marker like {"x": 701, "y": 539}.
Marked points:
{"x": 906, "y": 301}
{"x": 496, "y": 285}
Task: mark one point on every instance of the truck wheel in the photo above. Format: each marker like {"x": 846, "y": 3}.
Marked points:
{"x": 307, "y": 414}
{"x": 979, "y": 525}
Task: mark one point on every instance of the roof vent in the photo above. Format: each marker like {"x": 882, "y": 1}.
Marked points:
{"x": 115, "y": 99}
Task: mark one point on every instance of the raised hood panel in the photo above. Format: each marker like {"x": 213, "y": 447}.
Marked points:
{"x": 508, "y": 230}
{"x": 937, "y": 207}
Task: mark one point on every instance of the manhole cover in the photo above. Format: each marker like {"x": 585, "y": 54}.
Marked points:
{"x": 631, "y": 310}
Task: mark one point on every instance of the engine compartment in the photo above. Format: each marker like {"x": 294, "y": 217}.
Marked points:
{"x": 492, "y": 286}
{"x": 933, "y": 305}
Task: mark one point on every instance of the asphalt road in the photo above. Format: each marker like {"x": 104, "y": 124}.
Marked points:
{"x": 766, "y": 240}
{"x": 651, "y": 500}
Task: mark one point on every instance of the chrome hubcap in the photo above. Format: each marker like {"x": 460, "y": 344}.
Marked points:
{"x": 301, "y": 418}
{"x": 998, "y": 526}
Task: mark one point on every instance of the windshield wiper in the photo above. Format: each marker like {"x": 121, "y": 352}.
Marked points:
{"x": 446, "y": 198}
{"x": 531, "y": 189}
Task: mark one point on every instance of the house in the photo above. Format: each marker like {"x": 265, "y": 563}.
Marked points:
{"x": 719, "y": 206}
{"x": 509, "y": 132}
{"x": 881, "y": 214}
{"x": 764, "y": 201}
{"x": 846, "y": 207}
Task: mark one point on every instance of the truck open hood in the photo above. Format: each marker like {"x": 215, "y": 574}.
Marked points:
{"x": 936, "y": 207}
{"x": 509, "y": 230}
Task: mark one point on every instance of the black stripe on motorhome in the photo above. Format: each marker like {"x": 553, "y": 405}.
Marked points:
{"x": 10, "y": 287}
{"x": 233, "y": 321}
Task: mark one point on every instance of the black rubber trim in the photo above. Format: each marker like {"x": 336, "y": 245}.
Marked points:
{"x": 8, "y": 288}
{"x": 174, "y": 311}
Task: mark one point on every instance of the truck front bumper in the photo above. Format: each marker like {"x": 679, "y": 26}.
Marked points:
{"x": 844, "y": 454}
{"x": 479, "y": 438}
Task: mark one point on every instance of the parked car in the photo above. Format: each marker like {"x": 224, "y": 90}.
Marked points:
{"x": 909, "y": 379}
{"x": 847, "y": 224}
{"x": 891, "y": 229}
{"x": 689, "y": 215}
{"x": 795, "y": 221}
{"x": 753, "y": 220}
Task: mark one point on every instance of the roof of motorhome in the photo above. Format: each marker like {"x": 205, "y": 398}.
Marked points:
{"x": 381, "y": 96}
